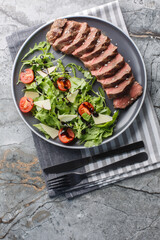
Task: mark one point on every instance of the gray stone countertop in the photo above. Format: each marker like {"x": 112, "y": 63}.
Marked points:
{"x": 126, "y": 210}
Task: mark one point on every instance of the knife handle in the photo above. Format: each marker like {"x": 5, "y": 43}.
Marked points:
{"x": 75, "y": 164}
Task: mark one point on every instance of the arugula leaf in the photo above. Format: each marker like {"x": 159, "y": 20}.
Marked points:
{"x": 42, "y": 46}
{"x": 76, "y": 83}
{"x": 31, "y": 86}
{"x": 78, "y": 127}
{"x": 93, "y": 137}
{"x": 47, "y": 119}
{"x": 39, "y": 79}
{"x": 60, "y": 65}
{"x": 106, "y": 111}
{"x": 101, "y": 91}
{"x": 86, "y": 117}
{"x": 86, "y": 73}
{"x": 72, "y": 68}
{"x": 91, "y": 133}
{"x": 108, "y": 133}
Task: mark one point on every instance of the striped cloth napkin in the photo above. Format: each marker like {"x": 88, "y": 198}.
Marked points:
{"x": 145, "y": 127}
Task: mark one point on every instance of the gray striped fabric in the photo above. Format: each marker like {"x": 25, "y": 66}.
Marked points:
{"x": 145, "y": 127}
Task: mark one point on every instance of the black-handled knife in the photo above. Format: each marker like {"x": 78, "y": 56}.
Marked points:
{"x": 75, "y": 164}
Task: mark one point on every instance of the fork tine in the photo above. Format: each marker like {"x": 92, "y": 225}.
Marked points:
{"x": 57, "y": 184}
{"x": 59, "y": 187}
{"x": 56, "y": 179}
{"x": 64, "y": 182}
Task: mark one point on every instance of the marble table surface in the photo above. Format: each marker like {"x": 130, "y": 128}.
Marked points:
{"x": 126, "y": 210}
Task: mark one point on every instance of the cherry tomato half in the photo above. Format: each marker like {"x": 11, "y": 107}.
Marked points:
{"x": 26, "y": 104}
{"x": 63, "y": 84}
{"x": 27, "y": 76}
{"x": 85, "y": 107}
{"x": 66, "y": 135}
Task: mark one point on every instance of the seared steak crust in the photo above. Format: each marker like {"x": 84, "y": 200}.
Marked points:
{"x": 79, "y": 39}
{"x": 101, "y": 45}
{"x": 69, "y": 33}
{"x": 102, "y": 59}
{"x": 110, "y": 68}
{"x": 56, "y": 30}
{"x": 120, "y": 76}
{"x": 89, "y": 43}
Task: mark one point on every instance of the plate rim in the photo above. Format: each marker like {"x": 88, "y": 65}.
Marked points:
{"x": 107, "y": 139}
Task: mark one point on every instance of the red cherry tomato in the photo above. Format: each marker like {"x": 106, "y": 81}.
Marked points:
{"x": 27, "y": 76}
{"x": 63, "y": 84}
{"x": 26, "y": 104}
{"x": 85, "y": 107}
{"x": 66, "y": 135}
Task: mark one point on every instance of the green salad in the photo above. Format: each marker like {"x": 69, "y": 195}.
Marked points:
{"x": 65, "y": 105}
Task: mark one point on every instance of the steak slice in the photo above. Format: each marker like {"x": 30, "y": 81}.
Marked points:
{"x": 69, "y": 33}
{"x": 89, "y": 43}
{"x": 56, "y": 30}
{"x": 134, "y": 92}
{"x": 122, "y": 74}
{"x": 79, "y": 39}
{"x": 103, "y": 58}
{"x": 121, "y": 89}
{"x": 102, "y": 44}
{"x": 109, "y": 69}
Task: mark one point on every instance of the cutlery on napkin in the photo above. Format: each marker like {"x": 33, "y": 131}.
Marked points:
{"x": 66, "y": 181}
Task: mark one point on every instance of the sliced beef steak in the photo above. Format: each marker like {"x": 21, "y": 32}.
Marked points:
{"x": 89, "y": 43}
{"x": 119, "y": 90}
{"x": 56, "y": 30}
{"x": 69, "y": 33}
{"x": 79, "y": 39}
{"x": 109, "y": 69}
{"x": 122, "y": 74}
{"x": 123, "y": 102}
{"x": 99, "y": 56}
{"x": 101, "y": 45}
{"x": 103, "y": 58}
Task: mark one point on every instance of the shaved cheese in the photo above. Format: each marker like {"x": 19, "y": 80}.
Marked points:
{"x": 66, "y": 118}
{"x": 48, "y": 71}
{"x": 30, "y": 94}
{"x": 71, "y": 97}
{"x": 44, "y": 104}
{"x": 102, "y": 119}
{"x": 52, "y": 132}
{"x": 51, "y": 69}
{"x": 43, "y": 74}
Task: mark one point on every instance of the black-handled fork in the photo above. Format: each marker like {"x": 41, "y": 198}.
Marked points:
{"x": 67, "y": 181}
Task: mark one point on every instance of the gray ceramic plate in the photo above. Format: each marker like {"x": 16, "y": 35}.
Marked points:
{"x": 125, "y": 46}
